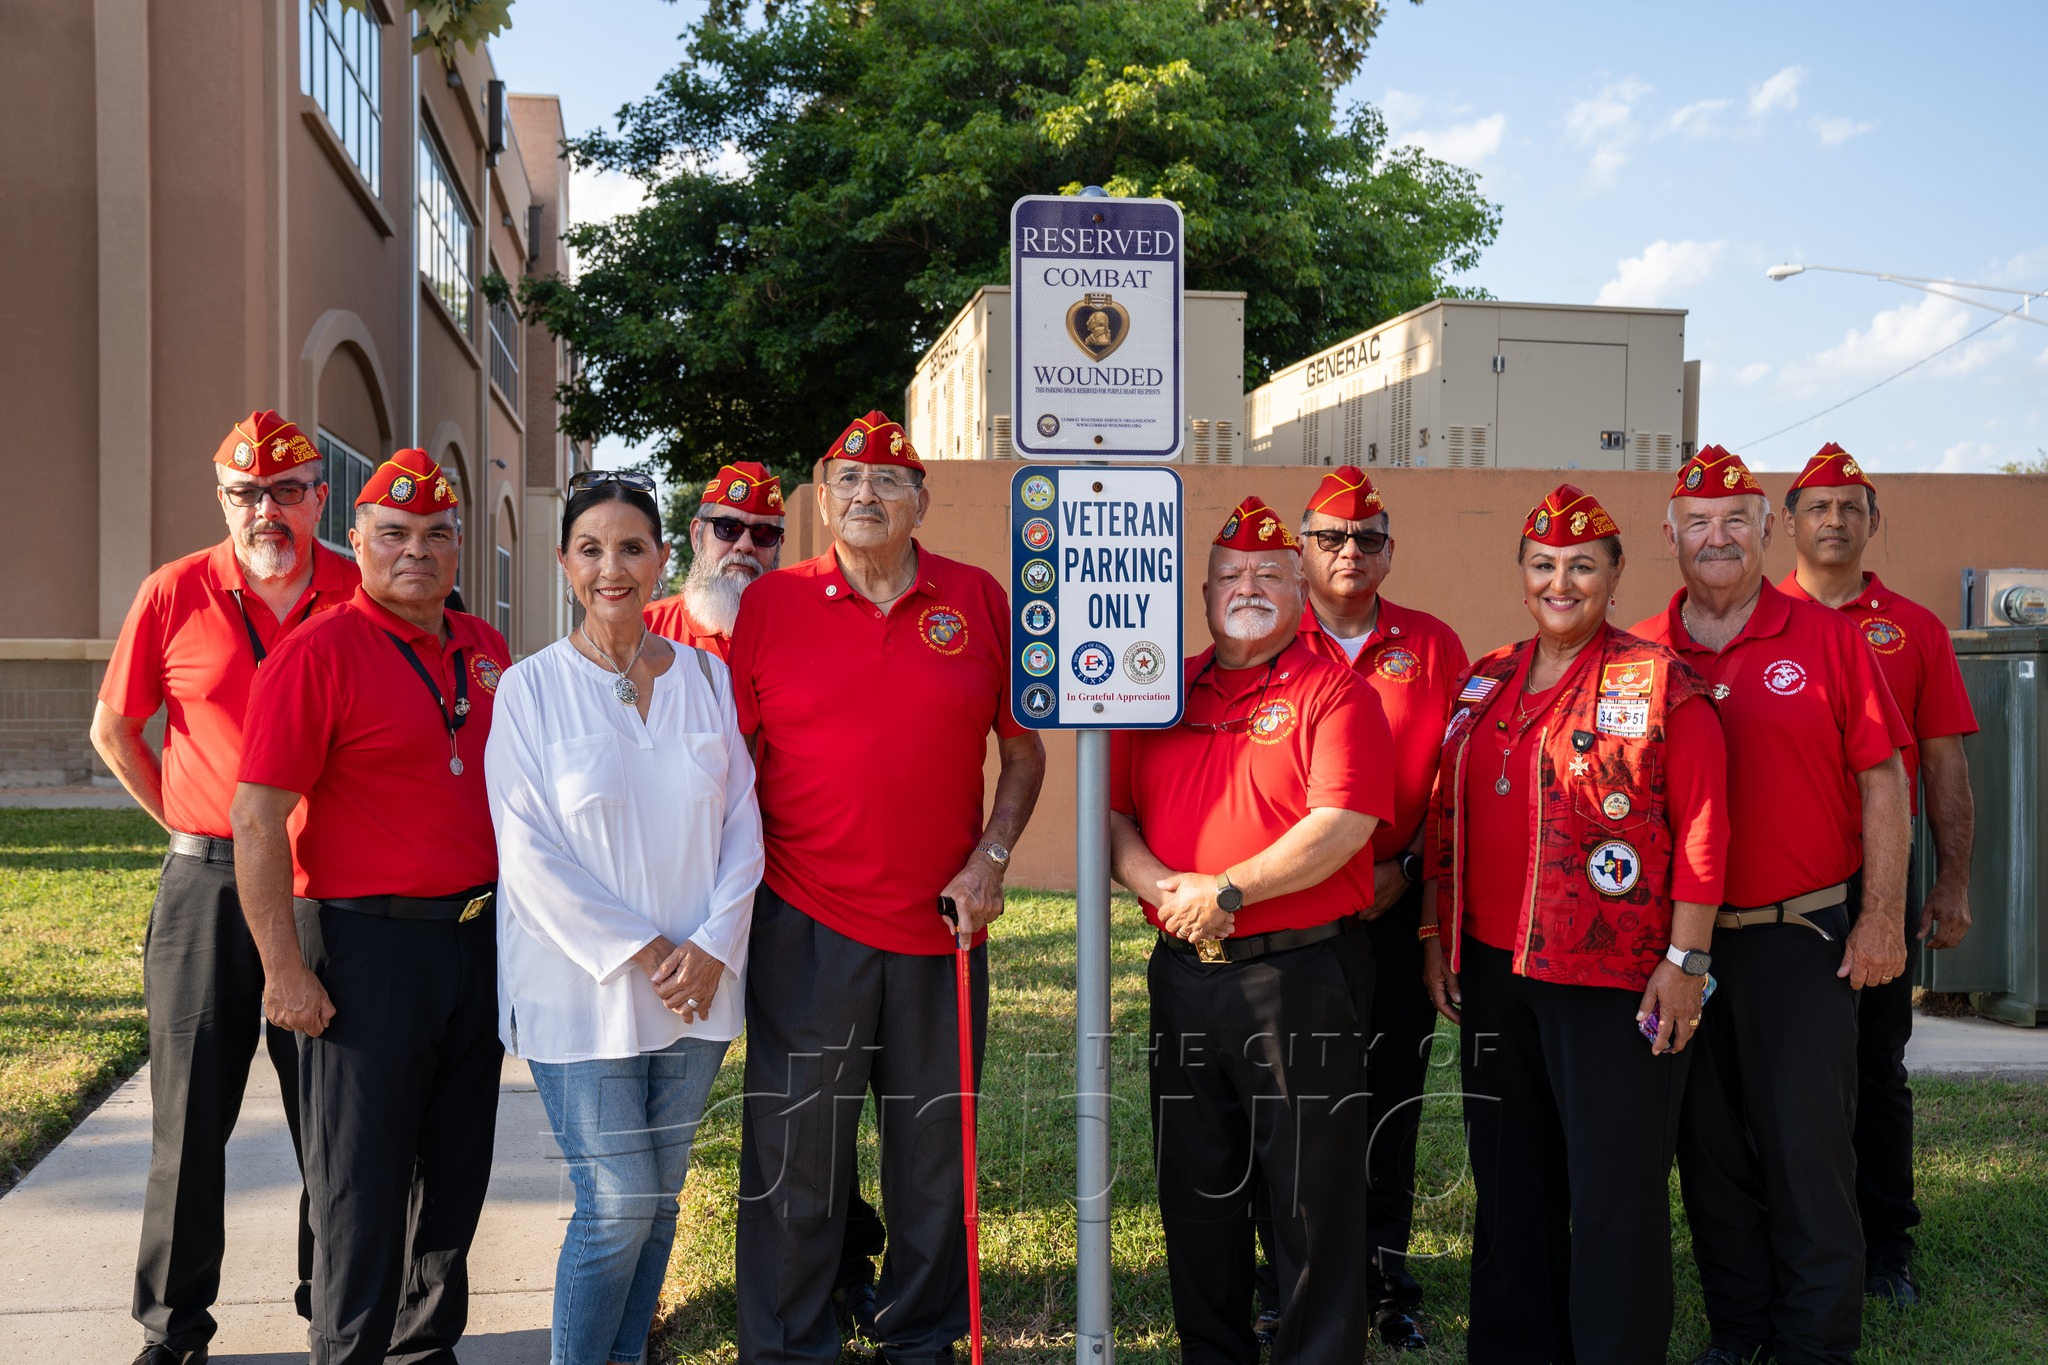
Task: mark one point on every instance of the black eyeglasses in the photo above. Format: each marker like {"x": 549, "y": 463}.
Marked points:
{"x": 597, "y": 478}
{"x": 729, "y": 530}
{"x": 1368, "y": 542}
{"x": 252, "y": 495}
{"x": 1242, "y": 724}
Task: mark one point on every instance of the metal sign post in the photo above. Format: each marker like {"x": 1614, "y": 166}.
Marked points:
{"x": 1095, "y": 585}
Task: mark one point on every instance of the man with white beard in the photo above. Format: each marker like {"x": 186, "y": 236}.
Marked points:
{"x": 1238, "y": 830}
{"x": 191, "y": 646}
{"x": 735, "y": 537}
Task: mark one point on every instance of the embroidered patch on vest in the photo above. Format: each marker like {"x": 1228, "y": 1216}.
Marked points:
{"x": 1613, "y": 868}
{"x": 1628, "y": 680}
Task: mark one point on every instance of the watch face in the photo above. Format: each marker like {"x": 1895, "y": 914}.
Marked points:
{"x": 1697, "y": 963}
{"x": 1230, "y": 898}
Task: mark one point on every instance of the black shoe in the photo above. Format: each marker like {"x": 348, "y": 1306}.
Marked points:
{"x": 1891, "y": 1282}
{"x": 854, "y": 1308}
{"x": 1267, "y": 1328}
{"x": 158, "y": 1353}
{"x": 1399, "y": 1329}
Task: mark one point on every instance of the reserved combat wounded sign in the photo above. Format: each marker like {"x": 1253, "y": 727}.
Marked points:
{"x": 1096, "y": 289}
{"x": 1095, "y": 590}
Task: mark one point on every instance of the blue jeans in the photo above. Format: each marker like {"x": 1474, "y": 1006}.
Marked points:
{"x": 625, "y": 1126}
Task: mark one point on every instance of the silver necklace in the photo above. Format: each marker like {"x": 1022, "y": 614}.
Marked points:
{"x": 623, "y": 687}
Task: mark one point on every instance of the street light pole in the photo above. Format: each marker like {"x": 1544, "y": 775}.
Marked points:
{"x": 1926, "y": 286}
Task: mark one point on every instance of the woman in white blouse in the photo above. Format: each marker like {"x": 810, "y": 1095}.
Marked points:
{"x": 629, "y": 846}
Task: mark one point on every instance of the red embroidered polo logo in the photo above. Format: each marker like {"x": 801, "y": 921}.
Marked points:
{"x": 1785, "y": 678}
{"x": 486, "y": 671}
{"x": 1884, "y": 635}
{"x": 944, "y": 629}
{"x": 1274, "y": 722}
{"x": 1398, "y": 665}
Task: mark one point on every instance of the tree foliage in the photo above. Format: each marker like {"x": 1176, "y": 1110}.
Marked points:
{"x": 445, "y": 23}
{"x": 829, "y": 187}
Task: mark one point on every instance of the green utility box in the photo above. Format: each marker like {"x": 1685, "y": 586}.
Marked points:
{"x": 2003, "y": 961}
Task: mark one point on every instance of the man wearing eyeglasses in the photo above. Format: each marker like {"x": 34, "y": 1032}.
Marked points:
{"x": 1412, "y": 661}
{"x": 735, "y": 537}
{"x": 869, "y": 679}
{"x": 1239, "y": 831}
{"x": 193, "y": 640}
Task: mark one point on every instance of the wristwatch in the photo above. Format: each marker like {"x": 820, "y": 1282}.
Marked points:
{"x": 995, "y": 853}
{"x": 1228, "y": 898}
{"x": 1688, "y": 960}
{"x": 1410, "y": 864}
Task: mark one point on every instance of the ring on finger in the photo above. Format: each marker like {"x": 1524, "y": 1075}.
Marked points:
{"x": 691, "y": 1002}
{"x": 1694, "y": 1021}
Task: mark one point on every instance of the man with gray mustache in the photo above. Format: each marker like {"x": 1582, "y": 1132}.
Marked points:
{"x": 1237, "y": 829}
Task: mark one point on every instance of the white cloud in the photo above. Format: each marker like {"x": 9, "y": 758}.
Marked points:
{"x": 1663, "y": 269}
{"x": 1714, "y": 376}
{"x": 1609, "y": 114}
{"x": 1971, "y": 457}
{"x": 1401, "y": 108}
{"x": 1697, "y": 119}
{"x": 1461, "y": 144}
{"x": 1896, "y": 338}
{"x": 1781, "y": 91}
{"x": 1836, "y": 131}
{"x": 596, "y": 195}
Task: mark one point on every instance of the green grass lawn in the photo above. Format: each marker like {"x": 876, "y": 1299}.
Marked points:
{"x": 1983, "y": 1183}
{"x": 75, "y": 888}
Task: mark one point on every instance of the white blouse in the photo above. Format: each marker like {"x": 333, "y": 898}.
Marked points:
{"x": 610, "y": 831}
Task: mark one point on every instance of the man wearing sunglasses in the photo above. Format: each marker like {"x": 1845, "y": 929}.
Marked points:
{"x": 734, "y": 539}
{"x": 1238, "y": 830}
{"x": 191, "y": 645}
{"x": 1412, "y": 661}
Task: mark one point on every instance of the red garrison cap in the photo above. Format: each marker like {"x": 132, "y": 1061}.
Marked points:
{"x": 1832, "y": 467}
{"x": 1346, "y": 493}
{"x": 1569, "y": 516}
{"x": 746, "y": 485}
{"x": 874, "y": 439}
{"x": 409, "y": 481}
{"x": 263, "y": 444}
{"x": 1715, "y": 473}
{"x": 1255, "y": 526}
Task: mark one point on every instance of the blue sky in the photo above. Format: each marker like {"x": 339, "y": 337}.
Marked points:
{"x": 1665, "y": 155}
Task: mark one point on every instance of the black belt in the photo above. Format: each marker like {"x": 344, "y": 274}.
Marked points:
{"x": 1253, "y": 945}
{"x": 462, "y": 907}
{"x": 204, "y": 847}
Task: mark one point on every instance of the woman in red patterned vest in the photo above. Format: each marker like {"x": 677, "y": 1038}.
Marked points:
{"x": 1577, "y": 841}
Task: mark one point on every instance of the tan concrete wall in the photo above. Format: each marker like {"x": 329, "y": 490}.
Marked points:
{"x": 49, "y": 349}
{"x": 1455, "y": 533}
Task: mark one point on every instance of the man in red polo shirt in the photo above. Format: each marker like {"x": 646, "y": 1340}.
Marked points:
{"x": 1239, "y": 830}
{"x": 735, "y": 537}
{"x": 1412, "y": 661}
{"x": 1816, "y": 907}
{"x": 371, "y": 909}
{"x": 869, "y": 679}
{"x": 1832, "y": 511}
{"x": 191, "y": 645}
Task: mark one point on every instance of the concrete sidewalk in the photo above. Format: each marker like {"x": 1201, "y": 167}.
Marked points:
{"x": 1976, "y": 1049}
{"x": 68, "y": 1235}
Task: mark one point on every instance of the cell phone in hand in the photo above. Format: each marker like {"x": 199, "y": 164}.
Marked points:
{"x": 1648, "y": 1027}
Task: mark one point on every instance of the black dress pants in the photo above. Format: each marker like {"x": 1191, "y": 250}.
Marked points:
{"x": 203, "y": 990}
{"x": 1571, "y": 1122}
{"x": 400, "y": 1102}
{"x": 1257, "y": 1081}
{"x": 1764, "y": 1151}
{"x": 828, "y": 1020}
{"x": 1884, "y": 1104}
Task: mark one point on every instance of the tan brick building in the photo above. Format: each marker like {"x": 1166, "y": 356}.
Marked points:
{"x": 222, "y": 205}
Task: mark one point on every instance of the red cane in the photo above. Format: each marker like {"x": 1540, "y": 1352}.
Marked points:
{"x": 963, "y": 939}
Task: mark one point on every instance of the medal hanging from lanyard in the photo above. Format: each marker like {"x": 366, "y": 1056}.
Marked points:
{"x": 457, "y": 716}
{"x": 1524, "y": 718}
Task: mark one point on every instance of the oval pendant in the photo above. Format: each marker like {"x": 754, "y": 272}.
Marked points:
{"x": 626, "y": 692}
{"x": 1500, "y": 788}
{"x": 455, "y": 766}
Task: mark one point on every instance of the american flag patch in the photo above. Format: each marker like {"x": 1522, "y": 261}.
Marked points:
{"x": 1478, "y": 689}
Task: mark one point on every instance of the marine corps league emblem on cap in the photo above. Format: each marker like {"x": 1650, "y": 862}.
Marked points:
{"x": 895, "y": 443}
{"x": 1731, "y": 478}
{"x": 855, "y": 442}
{"x": 944, "y": 629}
{"x": 1850, "y": 468}
{"x": 1692, "y": 477}
{"x": 1230, "y": 528}
{"x": 1543, "y": 523}
{"x": 402, "y": 489}
{"x": 1144, "y": 662}
{"x": 244, "y": 457}
{"x": 1578, "y": 523}
{"x": 774, "y": 495}
{"x": 737, "y": 491}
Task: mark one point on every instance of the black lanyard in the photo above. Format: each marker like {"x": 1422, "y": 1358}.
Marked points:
{"x": 454, "y": 718}
{"x": 256, "y": 643}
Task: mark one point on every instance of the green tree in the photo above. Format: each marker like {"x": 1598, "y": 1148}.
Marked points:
{"x": 2039, "y": 466}
{"x": 751, "y": 313}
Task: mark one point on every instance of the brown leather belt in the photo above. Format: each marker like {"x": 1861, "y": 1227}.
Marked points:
{"x": 1253, "y": 945}
{"x": 1793, "y": 911}
{"x": 462, "y": 907}
{"x": 205, "y": 847}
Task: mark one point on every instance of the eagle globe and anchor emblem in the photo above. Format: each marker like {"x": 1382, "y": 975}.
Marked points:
{"x": 1098, "y": 325}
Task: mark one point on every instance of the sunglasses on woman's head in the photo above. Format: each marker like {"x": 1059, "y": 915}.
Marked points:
{"x": 627, "y": 478}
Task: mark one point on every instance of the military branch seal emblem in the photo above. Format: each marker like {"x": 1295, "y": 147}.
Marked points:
{"x": 1038, "y": 658}
{"x": 1038, "y": 533}
{"x": 1038, "y": 575}
{"x": 1037, "y": 617}
{"x": 1038, "y": 701}
{"x": 1098, "y": 325}
{"x": 1038, "y": 492}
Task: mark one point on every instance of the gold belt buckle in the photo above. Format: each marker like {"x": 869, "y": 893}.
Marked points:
{"x": 474, "y": 908}
{"x": 1210, "y": 950}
